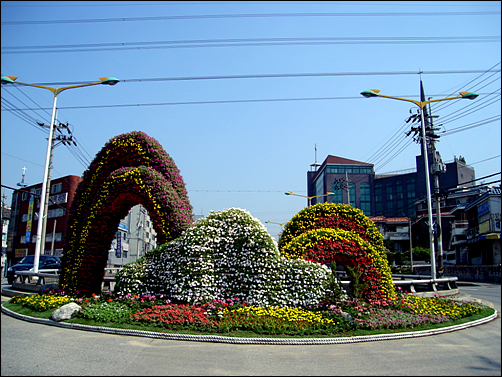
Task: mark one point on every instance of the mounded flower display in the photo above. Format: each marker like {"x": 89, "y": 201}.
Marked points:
{"x": 130, "y": 169}
{"x": 328, "y": 232}
{"x": 227, "y": 254}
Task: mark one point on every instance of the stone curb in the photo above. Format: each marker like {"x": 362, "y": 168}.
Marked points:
{"x": 226, "y": 339}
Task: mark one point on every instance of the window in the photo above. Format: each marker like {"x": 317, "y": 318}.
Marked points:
{"x": 334, "y": 169}
{"x": 319, "y": 188}
{"x": 58, "y": 212}
{"x": 25, "y": 195}
{"x": 58, "y": 237}
{"x": 389, "y": 198}
{"x": 400, "y": 196}
{"x": 55, "y": 189}
{"x": 410, "y": 193}
{"x": 410, "y": 190}
{"x": 378, "y": 199}
{"x": 337, "y": 193}
{"x": 319, "y": 184}
{"x": 365, "y": 198}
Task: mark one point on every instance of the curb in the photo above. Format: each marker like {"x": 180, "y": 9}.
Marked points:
{"x": 231, "y": 340}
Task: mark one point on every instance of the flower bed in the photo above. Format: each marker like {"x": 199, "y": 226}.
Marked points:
{"x": 231, "y": 315}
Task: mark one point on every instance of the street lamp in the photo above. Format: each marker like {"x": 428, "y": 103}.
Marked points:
{"x": 421, "y": 105}
{"x": 271, "y": 222}
{"x": 55, "y": 91}
{"x": 308, "y": 197}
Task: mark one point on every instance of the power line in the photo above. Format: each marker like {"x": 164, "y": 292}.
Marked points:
{"x": 308, "y": 41}
{"x": 438, "y": 106}
{"x": 274, "y": 75}
{"x": 471, "y": 125}
{"x": 467, "y": 111}
{"x": 251, "y": 15}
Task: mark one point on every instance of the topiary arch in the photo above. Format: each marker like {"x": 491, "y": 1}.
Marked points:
{"x": 130, "y": 169}
{"x": 328, "y": 232}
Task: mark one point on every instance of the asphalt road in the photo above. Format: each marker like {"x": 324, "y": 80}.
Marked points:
{"x": 32, "y": 349}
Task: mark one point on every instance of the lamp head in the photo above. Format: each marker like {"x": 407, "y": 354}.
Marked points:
{"x": 469, "y": 95}
{"x": 8, "y": 79}
{"x": 370, "y": 93}
{"x": 109, "y": 80}
{"x": 288, "y": 192}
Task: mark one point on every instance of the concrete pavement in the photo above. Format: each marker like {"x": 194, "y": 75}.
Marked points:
{"x": 33, "y": 349}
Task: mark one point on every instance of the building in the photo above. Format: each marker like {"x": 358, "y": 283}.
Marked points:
{"x": 136, "y": 230}
{"x": 5, "y": 226}
{"x": 483, "y": 229}
{"x": 389, "y": 195}
{"x": 396, "y": 230}
{"x": 134, "y": 238}
{"x": 24, "y": 218}
{"x": 470, "y": 227}
{"x": 470, "y": 214}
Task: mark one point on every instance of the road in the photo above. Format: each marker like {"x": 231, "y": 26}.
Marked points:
{"x": 32, "y": 349}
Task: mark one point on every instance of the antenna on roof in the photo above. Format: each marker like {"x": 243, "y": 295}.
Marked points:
{"x": 22, "y": 184}
{"x": 315, "y": 165}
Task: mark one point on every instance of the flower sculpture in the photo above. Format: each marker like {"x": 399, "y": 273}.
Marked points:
{"x": 328, "y": 232}
{"x": 130, "y": 169}
{"x": 227, "y": 254}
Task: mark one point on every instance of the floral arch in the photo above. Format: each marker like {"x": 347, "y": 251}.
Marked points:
{"x": 328, "y": 232}
{"x": 130, "y": 169}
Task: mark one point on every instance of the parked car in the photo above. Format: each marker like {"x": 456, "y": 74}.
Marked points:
{"x": 44, "y": 263}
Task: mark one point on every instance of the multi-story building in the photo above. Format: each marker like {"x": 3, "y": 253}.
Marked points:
{"x": 395, "y": 229}
{"x": 23, "y": 224}
{"x": 470, "y": 216}
{"x": 136, "y": 230}
{"x": 483, "y": 231}
{"x": 5, "y": 226}
{"x": 389, "y": 195}
{"x": 470, "y": 227}
{"x": 134, "y": 238}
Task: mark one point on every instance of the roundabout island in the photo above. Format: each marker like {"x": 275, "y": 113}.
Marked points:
{"x": 223, "y": 278}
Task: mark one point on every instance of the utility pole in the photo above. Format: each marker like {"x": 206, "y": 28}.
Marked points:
{"x": 411, "y": 246}
{"x": 3, "y": 206}
{"x": 347, "y": 186}
{"x": 63, "y": 140}
{"x": 437, "y": 168}
{"x": 47, "y": 192}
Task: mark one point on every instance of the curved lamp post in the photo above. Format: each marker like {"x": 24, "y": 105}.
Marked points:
{"x": 271, "y": 222}
{"x": 55, "y": 91}
{"x": 308, "y": 197}
{"x": 421, "y": 104}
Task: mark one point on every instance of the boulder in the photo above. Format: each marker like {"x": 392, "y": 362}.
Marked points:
{"x": 65, "y": 312}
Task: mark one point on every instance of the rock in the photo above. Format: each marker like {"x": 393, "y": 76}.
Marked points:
{"x": 65, "y": 312}
{"x": 347, "y": 317}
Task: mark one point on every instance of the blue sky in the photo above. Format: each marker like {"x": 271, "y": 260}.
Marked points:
{"x": 239, "y": 94}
